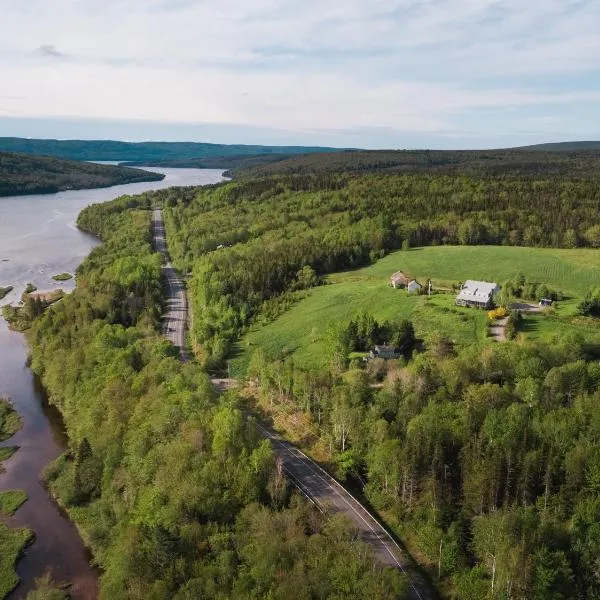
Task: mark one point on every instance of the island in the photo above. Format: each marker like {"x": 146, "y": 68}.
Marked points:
{"x": 27, "y": 174}
{"x": 62, "y": 276}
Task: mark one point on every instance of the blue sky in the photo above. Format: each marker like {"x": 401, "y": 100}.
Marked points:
{"x": 359, "y": 73}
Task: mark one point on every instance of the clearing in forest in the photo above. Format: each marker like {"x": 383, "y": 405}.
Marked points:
{"x": 302, "y": 330}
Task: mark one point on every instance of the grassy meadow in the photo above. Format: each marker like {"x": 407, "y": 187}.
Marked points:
{"x": 302, "y": 331}
{"x": 10, "y": 501}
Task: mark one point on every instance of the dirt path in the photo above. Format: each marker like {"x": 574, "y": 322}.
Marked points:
{"x": 498, "y": 327}
{"x": 498, "y": 330}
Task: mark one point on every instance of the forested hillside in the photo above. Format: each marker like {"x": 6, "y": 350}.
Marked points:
{"x": 23, "y": 174}
{"x": 482, "y": 459}
{"x": 173, "y": 489}
{"x": 564, "y": 146}
{"x": 142, "y": 151}
{"x": 252, "y": 245}
{"x": 233, "y": 162}
{"x": 517, "y": 162}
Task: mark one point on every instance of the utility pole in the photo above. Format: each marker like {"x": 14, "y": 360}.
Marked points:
{"x": 429, "y": 288}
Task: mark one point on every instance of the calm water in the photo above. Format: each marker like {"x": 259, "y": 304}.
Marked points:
{"x": 38, "y": 238}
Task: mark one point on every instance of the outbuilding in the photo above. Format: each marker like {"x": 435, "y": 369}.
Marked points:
{"x": 385, "y": 351}
{"x": 399, "y": 280}
{"x": 413, "y": 286}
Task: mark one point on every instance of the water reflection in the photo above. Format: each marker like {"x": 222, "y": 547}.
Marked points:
{"x": 38, "y": 239}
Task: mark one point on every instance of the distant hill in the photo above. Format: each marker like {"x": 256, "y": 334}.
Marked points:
{"x": 216, "y": 162}
{"x": 143, "y": 151}
{"x": 26, "y": 174}
{"x": 472, "y": 162}
{"x": 562, "y": 146}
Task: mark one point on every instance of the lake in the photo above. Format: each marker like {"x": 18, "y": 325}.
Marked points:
{"x": 38, "y": 239}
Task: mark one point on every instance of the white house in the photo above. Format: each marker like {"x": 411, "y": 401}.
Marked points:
{"x": 477, "y": 293}
{"x": 413, "y": 286}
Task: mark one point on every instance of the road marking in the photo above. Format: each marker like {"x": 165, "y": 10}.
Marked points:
{"x": 314, "y": 468}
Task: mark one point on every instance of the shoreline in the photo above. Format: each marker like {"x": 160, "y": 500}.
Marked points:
{"x": 62, "y": 546}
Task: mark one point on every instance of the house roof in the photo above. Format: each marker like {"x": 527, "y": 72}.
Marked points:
{"x": 477, "y": 291}
{"x": 384, "y": 348}
{"x": 399, "y": 276}
{"x": 414, "y": 281}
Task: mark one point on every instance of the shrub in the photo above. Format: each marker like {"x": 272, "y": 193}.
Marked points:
{"x": 497, "y": 313}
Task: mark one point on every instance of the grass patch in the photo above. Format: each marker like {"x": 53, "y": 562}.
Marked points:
{"x": 5, "y": 453}
{"x": 10, "y": 422}
{"x": 302, "y": 331}
{"x": 62, "y": 277}
{"x": 10, "y": 501}
{"x": 571, "y": 271}
{"x": 540, "y": 326}
{"x": 5, "y": 290}
{"x": 12, "y": 542}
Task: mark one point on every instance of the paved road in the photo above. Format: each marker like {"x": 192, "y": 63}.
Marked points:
{"x": 313, "y": 481}
{"x": 331, "y": 497}
{"x": 175, "y": 317}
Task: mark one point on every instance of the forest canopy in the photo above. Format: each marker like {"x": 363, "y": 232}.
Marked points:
{"x": 24, "y": 174}
{"x": 174, "y": 490}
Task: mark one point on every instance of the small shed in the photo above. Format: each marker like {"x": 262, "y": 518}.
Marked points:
{"x": 384, "y": 351}
{"x": 399, "y": 280}
{"x": 413, "y": 286}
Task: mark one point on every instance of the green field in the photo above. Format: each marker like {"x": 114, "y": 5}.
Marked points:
{"x": 572, "y": 271}
{"x": 302, "y": 331}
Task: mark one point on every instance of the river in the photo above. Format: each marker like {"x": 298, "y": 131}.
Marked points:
{"x": 38, "y": 239}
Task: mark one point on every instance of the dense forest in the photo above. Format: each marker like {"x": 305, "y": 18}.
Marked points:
{"x": 172, "y": 487}
{"x": 233, "y": 162}
{"x": 484, "y": 460}
{"x": 142, "y": 151}
{"x": 24, "y": 174}
{"x": 494, "y": 163}
{"x": 251, "y": 245}
{"x": 564, "y": 146}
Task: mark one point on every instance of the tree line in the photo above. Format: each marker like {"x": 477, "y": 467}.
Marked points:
{"x": 25, "y": 174}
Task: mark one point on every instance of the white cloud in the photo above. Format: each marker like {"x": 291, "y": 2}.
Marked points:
{"x": 302, "y": 65}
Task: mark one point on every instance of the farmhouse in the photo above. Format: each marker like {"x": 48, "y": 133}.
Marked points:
{"x": 413, "y": 286}
{"x": 399, "y": 280}
{"x": 479, "y": 294}
{"x": 384, "y": 351}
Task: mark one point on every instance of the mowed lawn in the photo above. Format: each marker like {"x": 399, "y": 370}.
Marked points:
{"x": 302, "y": 331}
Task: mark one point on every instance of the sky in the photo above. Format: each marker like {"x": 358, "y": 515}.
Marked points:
{"x": 346, "y": 73}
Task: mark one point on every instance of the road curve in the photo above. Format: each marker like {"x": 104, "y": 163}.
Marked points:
{"x": 318, "y": 486}
{"x": 331, "y": 497}
{"x": 175, "y": 316}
